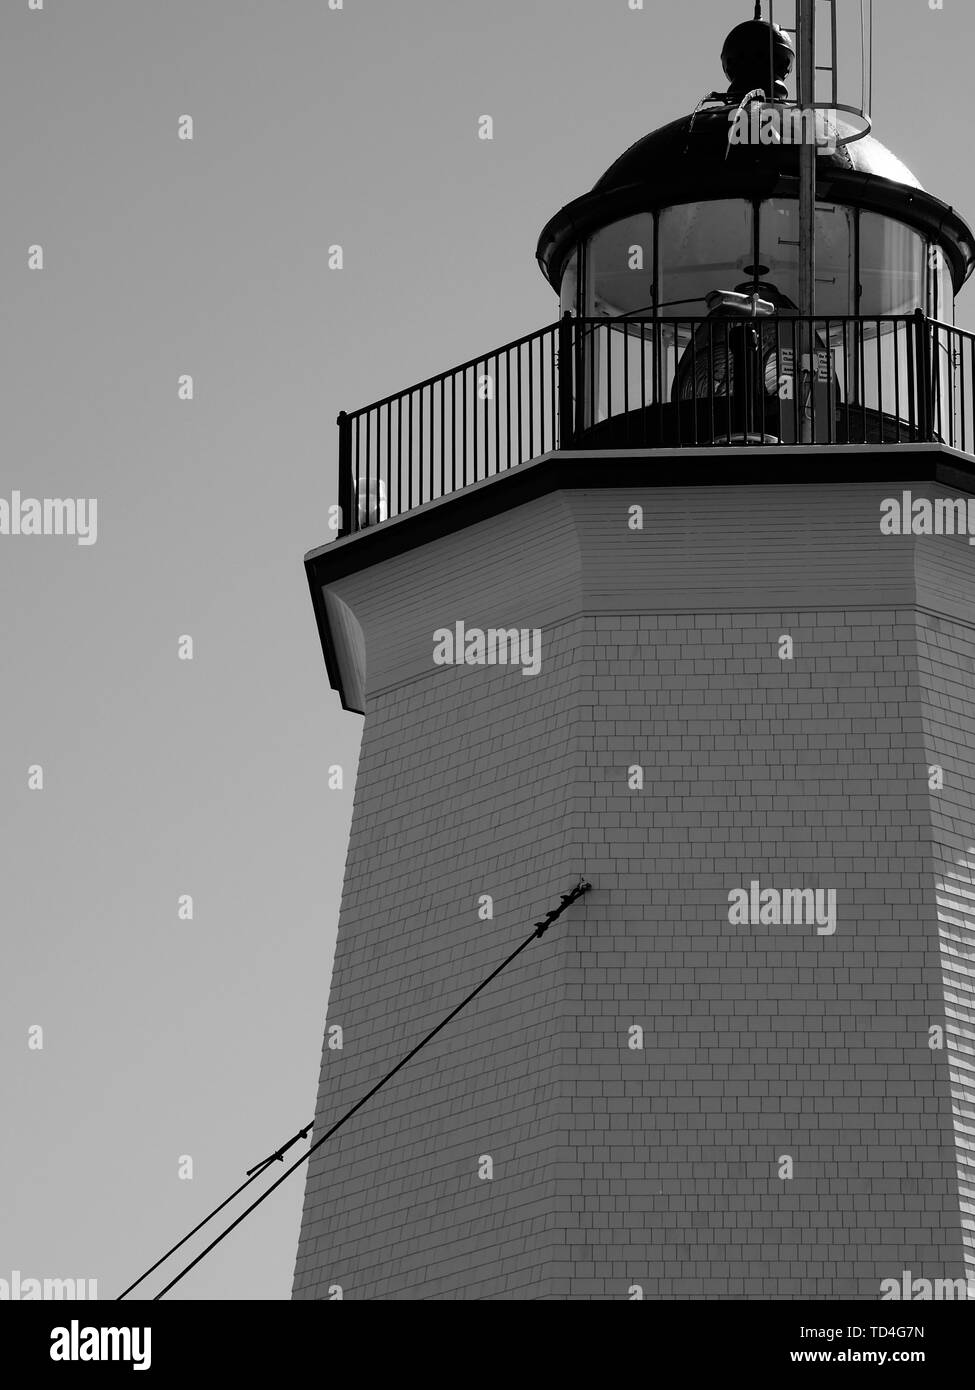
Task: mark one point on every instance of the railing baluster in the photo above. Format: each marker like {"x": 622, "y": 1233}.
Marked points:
{"x": 423, "y": 462}
{"x": 399, "y": 458}
{"x": 908, "y": 394}
{"x": 453, "y": 432}
{"x": 779, "y": 425}
{"x": 897, "y": 381}
{"x": 368, "y": 465}
{"x": 923, "y": 397}
{"x": 673, "y": 397}
{"x": 863, "y": 380}
{"x": 553, "y": 394}
{"x": 565, "y": 391}
{"x": 692, "y": 351}
{"x": 476, "y": 461}
{"x": 643, "y": 384}
{"x": 488, "y": 389}
{"x": 935, "y": 379}
{"x": 507, "y": 406}
{"x": 443, "y": 440}
{"x": 658, "y": 352}
{"x": 963, "y": 398}
{"x": 540, "y": 397}
{"x": 531, "y": 403}
{"x": 346, "y": 526}
{"x": 626, "y": 383}
{"x": 609, "y": 372}
{"x": 729, "y": 363}
{"x": 409, "y": 454}
{"x": 355, "y": 474}
{"x": 880, "y": 383}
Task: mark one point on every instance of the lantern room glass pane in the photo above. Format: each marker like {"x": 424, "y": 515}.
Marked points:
{"x": 835, "y": 256}
{"x": 941, "y": 289}
{"x": 778, "y": 242}
{"x": 703, "y": 247}
{"x": 892, "y": 267}
{"x": 620, "y": 269}
{"x": 569, "y": 295}
{"x": 835, "y": 260}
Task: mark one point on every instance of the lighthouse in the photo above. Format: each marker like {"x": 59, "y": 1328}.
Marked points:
{"x": 675, "y": 595}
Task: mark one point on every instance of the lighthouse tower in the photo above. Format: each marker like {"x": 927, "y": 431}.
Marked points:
{"x": 676, "y": 594}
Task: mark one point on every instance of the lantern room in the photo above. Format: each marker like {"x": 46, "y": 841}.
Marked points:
{"x": 683, "y": 267}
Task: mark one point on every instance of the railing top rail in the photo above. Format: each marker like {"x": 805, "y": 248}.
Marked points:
{"x": 453, "y": 371}
{"x": 759, "y": 318}
{"x": 952, "y": 327}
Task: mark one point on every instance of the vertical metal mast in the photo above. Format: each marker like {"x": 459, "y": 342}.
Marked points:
{"x": 806, "y": 52}
{"x": 806, "y": 24}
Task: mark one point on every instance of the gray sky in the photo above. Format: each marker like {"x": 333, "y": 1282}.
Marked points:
{"x": 312, "y": 127}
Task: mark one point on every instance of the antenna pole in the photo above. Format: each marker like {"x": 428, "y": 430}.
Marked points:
{"x": 806, "y": 36}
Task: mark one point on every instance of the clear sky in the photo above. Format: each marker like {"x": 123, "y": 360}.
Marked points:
{"x": 164, "y": 1038}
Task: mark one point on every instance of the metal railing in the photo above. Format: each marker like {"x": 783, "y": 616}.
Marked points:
{"x": 608, "y": 383}
{"x": 450, "y": 431}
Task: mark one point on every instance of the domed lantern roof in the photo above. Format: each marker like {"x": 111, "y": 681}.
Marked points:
{"x": 698, "y": 145}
